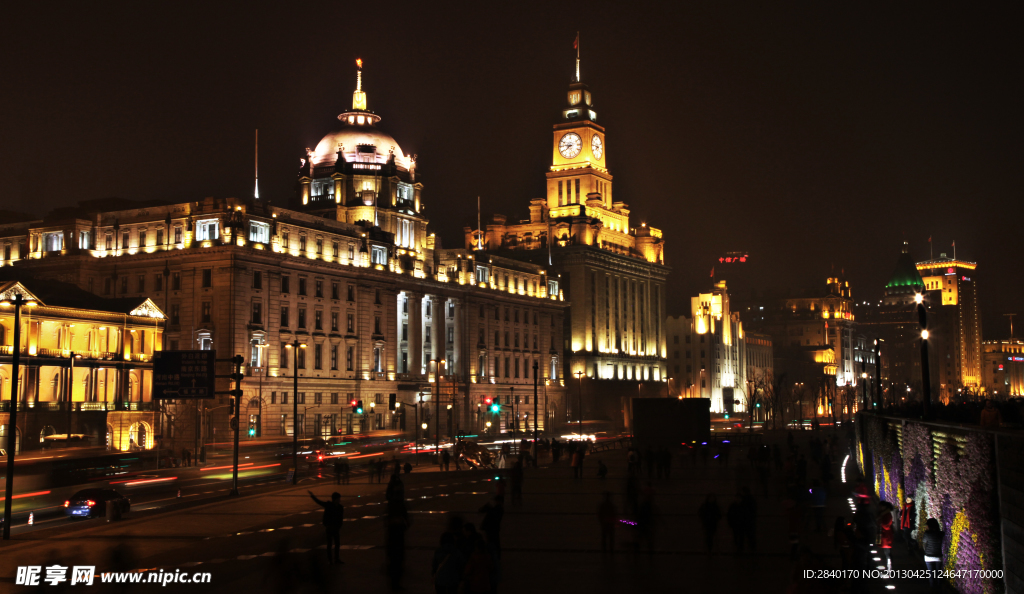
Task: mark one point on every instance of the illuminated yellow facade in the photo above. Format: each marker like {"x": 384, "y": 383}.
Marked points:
{"x": 950, "y": 287}
{"x": 613, "y": 271}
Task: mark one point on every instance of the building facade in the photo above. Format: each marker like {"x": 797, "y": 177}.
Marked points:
{"x": 951, "y": 293}
{"x": 349, "y": 271}
{"x": 85, "y": 366}
{"x": 710, "y": 354}
{"x": 1002, "y": 368}
{"x": 612, "y": 271}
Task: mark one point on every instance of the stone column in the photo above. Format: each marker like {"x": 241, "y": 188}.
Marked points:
{"x": 456, "y": 365}
{"x": 437, "y": 327}
{"x": 415, "y": 342}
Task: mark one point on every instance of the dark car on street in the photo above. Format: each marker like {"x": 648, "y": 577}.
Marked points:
{"x": 92, "y": 503}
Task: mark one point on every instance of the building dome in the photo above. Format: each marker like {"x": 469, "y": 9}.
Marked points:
{"x": 355, "y": 141}
{"x": 359, "y": 139}
{"x": 905, "y": 279}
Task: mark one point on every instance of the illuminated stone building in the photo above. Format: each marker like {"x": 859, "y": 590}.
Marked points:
{"x": 85, "y": 365}
{"x": 951, "y": 293}
{"x": 710, "y": 350}
{"x": 812, "y": 334}
{"x": 1002, "y": 368}
{"x": 612, "y": 271}
{"x": 349, "y": 270}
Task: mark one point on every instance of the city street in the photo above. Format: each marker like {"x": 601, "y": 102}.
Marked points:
{"x": 271, "y": 538}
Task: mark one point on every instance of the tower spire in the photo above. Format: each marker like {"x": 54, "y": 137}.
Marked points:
{"x": 576, "y": 46}
{"x": 256, "y": 194}
{"x": 359, "y": 97}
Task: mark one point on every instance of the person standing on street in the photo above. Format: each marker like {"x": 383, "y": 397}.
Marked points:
{"x": 607, "y": 516}
{"x": 709, "y": 514}
{"x": 908, "y": 520}
{"x": 446, "y": 460}
{"x": 396, "y": 524}
{"x": 493, "y": 513}
{"x": 931, "y": 543}
{"x": 396, "y": 490}
{"x": 885, "y": 522}
{"x": 337, "y": 471}
{"x": 334, "y": 514}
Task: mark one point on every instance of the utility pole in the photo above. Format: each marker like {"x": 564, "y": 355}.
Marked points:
{"x": 878, "y": 370}
{"x": 12, "y": 426}
{"x": 295, "y": 346}
{"x": 236, "y": 393}
{"x": 536, "y": 384}
{"x": 579, "y": 413}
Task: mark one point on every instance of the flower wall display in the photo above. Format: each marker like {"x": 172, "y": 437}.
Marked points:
{"x": 950, "y": 476}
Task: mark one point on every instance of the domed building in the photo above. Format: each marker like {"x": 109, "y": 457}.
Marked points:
{"x": 359, "y": 174}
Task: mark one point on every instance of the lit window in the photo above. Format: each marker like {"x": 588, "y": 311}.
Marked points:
{"x": 209, "y": 229}
{"x": 259, "y": 232}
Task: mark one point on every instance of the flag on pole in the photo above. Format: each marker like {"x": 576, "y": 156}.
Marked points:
{"x": 576, "y": 43}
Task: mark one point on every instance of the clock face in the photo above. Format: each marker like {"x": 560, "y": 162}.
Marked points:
{"x": 597, "y": 147}
{"x": 570, "y": 145}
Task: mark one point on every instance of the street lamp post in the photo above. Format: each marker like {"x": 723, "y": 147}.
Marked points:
{"x": 12, "y": 426}
{"x": 261, "y": 348}
{"x": 71, "y": 394}
{"x": 536, "y": 385}
{"x": 437, "y": 411}
{"x": 926, "y": 380}
{"x": 579, "y": 414}
{"x": 295, "y": 346}
{"x": 515, "y": 415}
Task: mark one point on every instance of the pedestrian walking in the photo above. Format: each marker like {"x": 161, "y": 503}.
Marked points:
{"x": 334, "y": 514}
{"x": 602, "y": 470}
{"x": 447, "y": 566}
{"x": 395, "y": 490}
{"x": 494, "y": 512}
{"x": 344, "y": 472}
{"x": 396, "y": 524}
{"x": 885, "y": 522}
{"x": 478, "y": 569}
{"x": 842, "y": 539}
{"x": 186, "y": 457}
{"x": 709, "y": 514}
{"x": 516, "y": 479}
{"x": 577, "y": 462}
{"x": 818, "y": 498}
{"x": 337, "y": 471}
{"x": 446, "y": 460}
{"x": 908, "y": 520}
{"x": 607, "y": 516}
{"x": 931, "y": 543}
{"x": 407, "y": 468}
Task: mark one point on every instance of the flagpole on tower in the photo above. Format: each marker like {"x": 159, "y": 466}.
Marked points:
{"x": 479, "y": 230}
{"x": 257, "y": 192}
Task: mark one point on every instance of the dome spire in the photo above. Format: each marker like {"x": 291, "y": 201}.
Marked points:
{"x": 576, "y": 46}
{"x": 359, "y": 97}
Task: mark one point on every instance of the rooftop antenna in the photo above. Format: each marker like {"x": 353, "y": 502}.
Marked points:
{"x": 1010, "y": 315}
{"x": 576, "y": 46}
{"x": 257, "y": 192}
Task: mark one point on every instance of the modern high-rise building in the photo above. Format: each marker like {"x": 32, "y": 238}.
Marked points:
{"x": 951, "y": 292}
{"x": 612, "y": 270}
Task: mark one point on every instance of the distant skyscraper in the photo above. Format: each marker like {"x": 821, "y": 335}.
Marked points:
{"x": 950, "y": 289}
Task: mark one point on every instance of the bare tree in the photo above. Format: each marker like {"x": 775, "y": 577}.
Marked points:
{"x": 770, "y": 391}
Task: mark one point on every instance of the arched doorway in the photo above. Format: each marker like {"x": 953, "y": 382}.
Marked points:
{"x": 110, "y": 436}
{"x": 140, "y": 436}
{"x": 4, "y": 439}
{"x": 45, "y": 432}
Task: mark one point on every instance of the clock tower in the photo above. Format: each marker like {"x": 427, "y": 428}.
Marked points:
{"x": 578, "y": 158}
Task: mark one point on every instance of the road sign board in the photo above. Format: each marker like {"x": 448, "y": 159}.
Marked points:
{"x": 183, "y": 374}
{"x": 233, "y": 423}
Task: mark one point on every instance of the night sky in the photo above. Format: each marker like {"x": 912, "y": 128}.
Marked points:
{"x": 814, "y": 138}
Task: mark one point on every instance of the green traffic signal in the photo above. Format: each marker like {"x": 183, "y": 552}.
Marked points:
{"x": 359, "y": 410}
{"x": 252, "y": 431}
{"x": 495, "y": 408}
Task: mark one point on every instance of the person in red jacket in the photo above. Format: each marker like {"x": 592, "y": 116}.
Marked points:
{"x": 908, "y": 520}
{"x": 885, "y": 532}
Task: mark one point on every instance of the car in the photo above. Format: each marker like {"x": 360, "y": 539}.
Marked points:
{"x": 92, "y": 503}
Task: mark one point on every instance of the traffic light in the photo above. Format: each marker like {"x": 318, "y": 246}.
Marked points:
{"x": 354, "y": 404}
{"x": 252, "y": 430}
{"x": 359, "y": 408}
{"x": 495, "y": 408}
{"x": 487, "y": 400}
{"x": 392, "y": 398}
